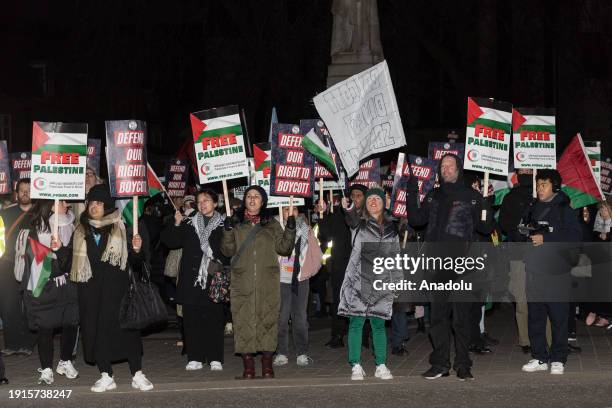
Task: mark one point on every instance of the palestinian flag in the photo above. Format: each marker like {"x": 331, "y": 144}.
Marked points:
{"x": 40, "y": 270}
{"x": 315, "y": 146}
{"x": 59, "y": 137}
{"x": 126, "y": 206}
{"x": 577, "y": 174}
{"x": 261, "y": 158}
{"x": 593, "y": 150}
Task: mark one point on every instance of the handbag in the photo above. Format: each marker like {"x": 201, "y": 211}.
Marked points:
{"x": 142, "y": 305}
{"x": 219, "y": 286}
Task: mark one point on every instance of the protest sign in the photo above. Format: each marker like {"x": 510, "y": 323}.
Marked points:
{"x": 5, "y": 169}
{"x": 437, "y": 150}
{"x": 362, "y": 116}
{"x": 534, "y": 138}
{"x": 368, "y": 174}
{"x": 487, "y": 140}
{"x": 292, "y": 166}
{"x": 424, "y": 169}
{"x": 219, "y": 144}
{"x": 59, "y": 159}
{"x": 593, "y": 149}
{"x": 93, "y": 154}
{"x": 177, "y": 172}
{"x": 606, "y": 176}
{"x": 262, "y": 162}
{"x": 387, "y": 181}
{"x": 126, "y": 157}
{"x": 21, "y": 163}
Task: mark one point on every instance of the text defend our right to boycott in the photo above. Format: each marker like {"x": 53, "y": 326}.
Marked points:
{"x": 292, "y": 166}
{"x": 127, "y": 165}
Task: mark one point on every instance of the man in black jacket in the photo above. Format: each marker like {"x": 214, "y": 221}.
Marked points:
{"x": 452, "y": 213}
{"x": 333, "y": 227}
{"x": 515, "y": 203}
{"x": 547, "y": 266}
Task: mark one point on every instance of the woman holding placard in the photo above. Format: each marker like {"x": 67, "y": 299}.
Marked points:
{"x": 49, "y": 297}
{"x": 99, "y": 255}
{"x": 199, "y": 236}
{"x": 254, "y": 239}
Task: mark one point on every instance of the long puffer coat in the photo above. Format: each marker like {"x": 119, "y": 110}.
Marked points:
{"x": 358, "y": 297}
{"x": 254, "y": 288}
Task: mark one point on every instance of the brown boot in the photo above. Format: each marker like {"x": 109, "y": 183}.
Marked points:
{"x": 266, "y": 365}
{"x": 249, "y": 367}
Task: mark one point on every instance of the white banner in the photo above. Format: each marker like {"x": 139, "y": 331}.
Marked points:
{"x": 361, "y": 115}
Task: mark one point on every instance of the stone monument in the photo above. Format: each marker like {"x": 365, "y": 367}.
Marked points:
{"x": 355, "y": 44}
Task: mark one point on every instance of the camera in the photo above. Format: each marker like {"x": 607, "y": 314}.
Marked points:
{"x": 534, "y": 228}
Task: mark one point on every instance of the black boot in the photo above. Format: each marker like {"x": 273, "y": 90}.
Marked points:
{"x": 335, "y": 342}
{"x": 420, "y": 325}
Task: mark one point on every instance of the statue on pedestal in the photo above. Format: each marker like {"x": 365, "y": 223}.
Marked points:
{"x": 356, "y": 29}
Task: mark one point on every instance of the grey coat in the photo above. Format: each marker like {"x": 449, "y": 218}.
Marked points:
{"x": 357, "y": 295}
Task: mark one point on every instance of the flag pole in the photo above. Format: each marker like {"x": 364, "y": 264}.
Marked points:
{"x": 134, "y": 215}
{"x": 321, "y": 198}
{"x": 56, "y": 220}
{"x": 485, "y": 191}
{"x": 226, "y": 198}
{"x": 331, "y": 201}
{"x": 534, "y": 187}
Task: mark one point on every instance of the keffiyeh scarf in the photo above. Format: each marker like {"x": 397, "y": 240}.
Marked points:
{"x": 204, "y": 230}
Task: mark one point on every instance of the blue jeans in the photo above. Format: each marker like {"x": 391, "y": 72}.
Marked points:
{"x": 399, "y": 328}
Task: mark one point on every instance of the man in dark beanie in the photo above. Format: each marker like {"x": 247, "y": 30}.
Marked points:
{"x": 452, "y": 213}
{"x": 334, "y": 228}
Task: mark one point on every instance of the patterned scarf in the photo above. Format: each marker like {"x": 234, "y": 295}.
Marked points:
{"x": 301, "y": 236}
{"x": 254, "y": 219}
{"x": 115, "y": 253}
{"x": 204, "y": 230}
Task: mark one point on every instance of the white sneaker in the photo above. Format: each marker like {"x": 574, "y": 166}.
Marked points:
{"x": 303, "y": 360}
{"x": 280, "y": 360}
{"x": 46, "y": 376}
{"x": 194, "y": 365}
{"x": 557, "y": 368}
{"x": 229, "y": 329}
{"x": 357, "y": 374}
{"x": 66, "y": 368}
{"x": 140, "y": 382}
{"x": 383, "y": 372}
{"x": 535, "y": 365}
{"x": 105, "y": 383}
{"x": 216, "y": 366}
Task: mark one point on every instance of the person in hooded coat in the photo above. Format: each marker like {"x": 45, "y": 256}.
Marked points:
{"x": 255, "y": 240}
{"x": 452, "y": 214}
{"x": 99, "y": 253}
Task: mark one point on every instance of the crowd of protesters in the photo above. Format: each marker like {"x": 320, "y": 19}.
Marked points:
{"x": 251, "y": 273}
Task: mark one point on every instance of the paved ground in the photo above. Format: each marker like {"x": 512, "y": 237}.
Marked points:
{"x": 499, "y": 381}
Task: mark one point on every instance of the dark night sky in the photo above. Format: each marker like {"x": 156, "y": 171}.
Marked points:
{"x": 158, "y": 61}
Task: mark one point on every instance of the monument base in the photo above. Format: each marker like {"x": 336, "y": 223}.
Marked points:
{"x": 347, "y": 64}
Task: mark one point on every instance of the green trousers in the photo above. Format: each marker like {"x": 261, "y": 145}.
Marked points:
{"x": 379, "y": 339}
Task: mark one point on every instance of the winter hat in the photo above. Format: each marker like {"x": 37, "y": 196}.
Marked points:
{"x": 262, "y": 192}
{"x": 376, "y": 191}
{"x": 359, "y": 187}
{"x": 101, "y": 192}
{"x": 189, "y": 198}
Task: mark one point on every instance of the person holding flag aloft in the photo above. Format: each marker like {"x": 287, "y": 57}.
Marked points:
{"x": 49, "y": 297}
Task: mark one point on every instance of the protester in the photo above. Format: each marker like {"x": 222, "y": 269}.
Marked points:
{"x": 603, "y": 221}
{"x": 514, "y": 205}
{"x": 255, "y": 240}
{"x": 17, "y": 338}
{"x": 295, "y": 272}
{"x": 100, "y": 254}
{"x": 189, "y": 205}
{"x": 452, "y": 213}
{"x": 199, "y": 235}
{"x": 333, "y": 228}
{"x": 91, "y": 179}
{"x": 358, "y": 298}
{"x": 49, "y": 296}
{"x": 548, "y": 272}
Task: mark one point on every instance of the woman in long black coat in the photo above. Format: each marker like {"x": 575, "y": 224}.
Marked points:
{"x": 100, "y": 255}
{"x": 203, "y": 320}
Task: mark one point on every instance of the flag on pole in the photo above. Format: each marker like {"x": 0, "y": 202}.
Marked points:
{"x": 577, "y": 174}
{"x": 40, "y": 270}
{"x": 125, "y": 206}
{"x": 315, "y": 146}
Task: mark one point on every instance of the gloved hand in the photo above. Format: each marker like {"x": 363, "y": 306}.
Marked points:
{"x": 290, "y": 222}
{"x": 60, "y": 280}
{"x": 227, "y": 224}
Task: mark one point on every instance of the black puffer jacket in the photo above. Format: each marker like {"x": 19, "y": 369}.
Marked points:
{"x": 514, "y": 205}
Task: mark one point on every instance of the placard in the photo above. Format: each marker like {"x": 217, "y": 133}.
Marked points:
{"x": 534, "y": 138}
{"x": 292, "y": 166}
{"x": 126, "y": 149}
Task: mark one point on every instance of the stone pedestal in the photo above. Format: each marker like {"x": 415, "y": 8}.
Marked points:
{"x": 347, "y": 64}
